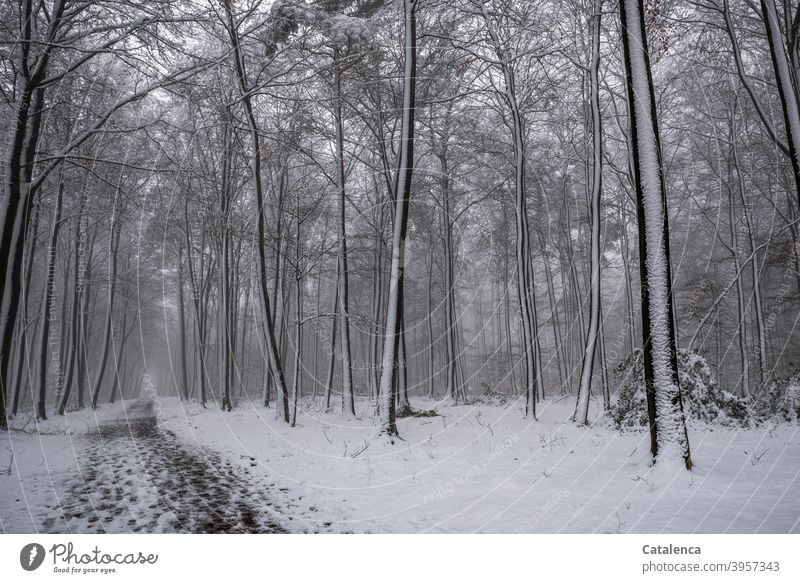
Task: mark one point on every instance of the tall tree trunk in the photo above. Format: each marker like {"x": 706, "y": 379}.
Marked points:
{"x": 46, "y": 335}
{"x": 255, "y": 165}
{"x": 405, "y": 172}
{"x": 787, "y": 87}
{"x": 332, "y": 349}
{"x": 451, "y": 352}
{"x": 525, "y": 289}
{"x": 23, "y": 352}
{"x": 581, "y": 415}
{"x": 113, "y": 247}
{"x": 755, "y": 268}
{"x": 184, "y": 390}
{"x": 554, "y": 319}
{"x": 429, "y": 320}
{"x": 741, "y": 321}
{"x": 298, "y": 328}
{"x": 669, "y": 439}
{"x": 348, "y": 397}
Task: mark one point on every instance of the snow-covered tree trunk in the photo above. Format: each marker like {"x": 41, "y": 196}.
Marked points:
{"x": 787, "y": 86}
{"x": 669, "y": 439}
{"x": 405, "y": 171}
{"x": 582, "y": 406}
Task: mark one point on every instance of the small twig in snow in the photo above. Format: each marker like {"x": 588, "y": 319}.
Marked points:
{"x": 360, "y": 450}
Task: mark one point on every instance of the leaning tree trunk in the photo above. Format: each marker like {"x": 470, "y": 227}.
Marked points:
{"x": 668, "y": 436}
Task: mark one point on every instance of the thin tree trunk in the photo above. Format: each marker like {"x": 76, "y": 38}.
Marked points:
{"x": 255, "y": 162}
{"x": 404, "y": 175}
{"x": 581, "y": 415}
{"x": 113, "y": 245}
{"x": 348, "y": 397}
{"x": 46, "y": 335}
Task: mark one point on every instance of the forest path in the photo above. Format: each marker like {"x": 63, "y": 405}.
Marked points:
{"x": 134, "y": 476}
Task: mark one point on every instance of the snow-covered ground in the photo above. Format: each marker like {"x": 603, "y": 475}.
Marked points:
{"x": 39, "y": 459}
{"x": 480, "y": 468}
{"x": 484, "y": 468}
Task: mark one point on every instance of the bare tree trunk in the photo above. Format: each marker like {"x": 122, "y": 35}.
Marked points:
{"x": 332, "y": 353}
{"x": 525, "y": 289}
{"x": 23, "y": 352}
{"x": 740, "y": 301}
{"x": 787, "y": 87}
{"x": 113, "y": 246}
{"x": 298, "y": 329}
{"x": 405, "y": 171}
{"x": 554, "y": 319}
{"x": 451, "y": 352}
{"x": 255, "y": 162}
{"x": 225, "y": 328}
{"x": 429, "y": 320}
{"x": 184, "y": 392}
{"x": 581, "y": 415}
{"x": 348, "y": 397}
{"x": 754, "y": 264}
{"x": 46, "y": 335}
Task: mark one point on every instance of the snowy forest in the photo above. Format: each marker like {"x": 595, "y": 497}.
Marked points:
{"x": 446, "y": 250}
